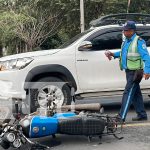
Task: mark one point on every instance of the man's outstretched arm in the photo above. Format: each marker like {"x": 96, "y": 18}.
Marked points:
{"x": 142, "y": 49}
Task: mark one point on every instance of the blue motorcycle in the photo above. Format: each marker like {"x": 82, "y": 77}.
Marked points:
{"x": 82, "y": 121}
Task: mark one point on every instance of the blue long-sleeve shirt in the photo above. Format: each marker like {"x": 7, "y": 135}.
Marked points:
{"x": 142, "y": 50}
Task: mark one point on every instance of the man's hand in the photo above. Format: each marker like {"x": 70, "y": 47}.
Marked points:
{"x": 109, "y": 54}
{"x": 146, "y": 76}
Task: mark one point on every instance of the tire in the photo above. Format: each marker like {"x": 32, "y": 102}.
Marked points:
{"x": 49, "y": 85}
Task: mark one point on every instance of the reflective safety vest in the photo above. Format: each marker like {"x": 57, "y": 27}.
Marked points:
{"x": 134, "y": 61}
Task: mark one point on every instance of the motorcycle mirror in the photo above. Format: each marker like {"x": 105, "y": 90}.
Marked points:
{"x": 73, "y": 94}
{"x": 16, "y": 107}
{"x": 16, "y": 110}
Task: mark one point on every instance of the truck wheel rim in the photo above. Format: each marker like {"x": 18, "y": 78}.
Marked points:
{"x": 51, "y": 95}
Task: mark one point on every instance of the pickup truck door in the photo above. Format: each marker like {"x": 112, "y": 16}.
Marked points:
{"x": 95, "y": 72}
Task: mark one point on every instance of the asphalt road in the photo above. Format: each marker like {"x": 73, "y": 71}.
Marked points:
{"x": 136, "y": 135}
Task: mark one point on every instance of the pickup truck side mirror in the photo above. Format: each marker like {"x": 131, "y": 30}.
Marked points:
{"x": 85, "y": 46}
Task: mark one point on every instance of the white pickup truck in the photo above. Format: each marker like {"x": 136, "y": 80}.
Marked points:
{"x": 39, "y": 75}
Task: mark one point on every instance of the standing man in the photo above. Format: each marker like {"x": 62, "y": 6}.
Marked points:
{"x": 132, "y": 55}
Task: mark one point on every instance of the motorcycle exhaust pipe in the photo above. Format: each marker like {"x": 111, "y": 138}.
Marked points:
{"x": 80, "y": 107}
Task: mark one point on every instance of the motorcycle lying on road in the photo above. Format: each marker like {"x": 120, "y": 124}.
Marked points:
{"x": 86, "y": 120}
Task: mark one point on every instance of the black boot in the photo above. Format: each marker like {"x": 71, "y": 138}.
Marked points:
{"x": 139, "y": 118}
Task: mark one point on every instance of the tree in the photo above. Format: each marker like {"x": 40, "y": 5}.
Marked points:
{"x": 30, "y": 23}
{"x": 26, "y": 25}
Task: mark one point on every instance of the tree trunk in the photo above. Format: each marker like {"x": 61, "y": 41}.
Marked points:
{"x": 1, "y": 50}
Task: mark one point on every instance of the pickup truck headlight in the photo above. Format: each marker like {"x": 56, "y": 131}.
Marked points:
{"x": 15, "y": 64}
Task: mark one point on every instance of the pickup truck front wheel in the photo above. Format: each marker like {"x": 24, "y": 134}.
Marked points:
{"x": 49, "y": 91}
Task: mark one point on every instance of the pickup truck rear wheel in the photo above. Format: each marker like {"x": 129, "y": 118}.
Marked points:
{"x": 49, "y": 90}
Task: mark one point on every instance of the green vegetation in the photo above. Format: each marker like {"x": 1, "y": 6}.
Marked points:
{"x": 28, "y": 25}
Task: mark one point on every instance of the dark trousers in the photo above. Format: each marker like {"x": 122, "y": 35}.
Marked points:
{"x": 132, "y": 95}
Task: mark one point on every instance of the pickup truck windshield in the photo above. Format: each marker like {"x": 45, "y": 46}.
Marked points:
{"x": 74, "y": 39}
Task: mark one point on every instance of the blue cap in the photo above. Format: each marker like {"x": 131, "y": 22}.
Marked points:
{"x": 129, "y": 25}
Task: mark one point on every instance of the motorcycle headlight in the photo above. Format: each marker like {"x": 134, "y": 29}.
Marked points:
{"x": 14, "y": 64}
{"x": 10, "y": 137}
